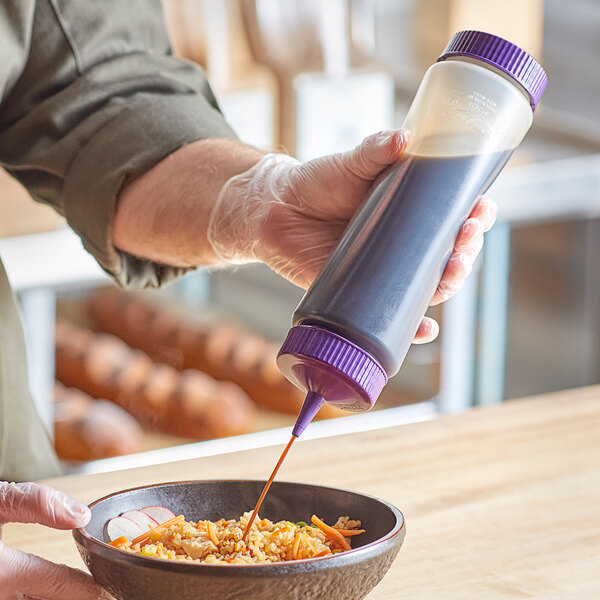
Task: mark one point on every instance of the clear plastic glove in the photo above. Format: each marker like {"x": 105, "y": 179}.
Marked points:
{"x": 27, "y": 576}
{"x": 290, "y": 215}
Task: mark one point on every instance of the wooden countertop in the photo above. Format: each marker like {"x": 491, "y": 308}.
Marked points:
{"x": 500, "y": 502}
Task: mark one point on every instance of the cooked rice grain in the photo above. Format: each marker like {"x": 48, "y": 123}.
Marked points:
{"x": 221, "y": 542}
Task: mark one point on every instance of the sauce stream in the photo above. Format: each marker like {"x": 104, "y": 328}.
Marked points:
{"x": 268, "y": 485}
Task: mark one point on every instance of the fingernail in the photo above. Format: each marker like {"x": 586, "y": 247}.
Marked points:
{"x": 77, "y": 509}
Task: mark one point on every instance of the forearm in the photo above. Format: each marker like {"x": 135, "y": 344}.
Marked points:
{"x": 163, "y": 215}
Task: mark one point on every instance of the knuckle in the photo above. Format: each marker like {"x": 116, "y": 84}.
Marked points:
{"x": 472, "y": 247}
{"x": 12, "y": 499}
{"x": 23, "y": 502}
{"x": 15, "y": 569}
{"x": 446, "y": 289}
{"x": 473, "y": 227}
{"x": 463, "y": 264}
{"x": 371, "y": 141}
{"x": 361, "y": 162}
{"x": 58, "y": 577}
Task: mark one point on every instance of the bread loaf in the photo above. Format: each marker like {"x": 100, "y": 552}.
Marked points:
{"x": 188, "y": 403}
{"x": 88, "y": 429}
{"x": 226, "y": 351}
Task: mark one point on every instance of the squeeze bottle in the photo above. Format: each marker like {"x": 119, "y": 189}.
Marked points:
{"x": 355, "y": 324}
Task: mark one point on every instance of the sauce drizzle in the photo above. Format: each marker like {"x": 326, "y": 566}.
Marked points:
{"x": 268, "y": 485}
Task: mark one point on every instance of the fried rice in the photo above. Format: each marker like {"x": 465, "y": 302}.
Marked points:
{"x": 221, "y": 542}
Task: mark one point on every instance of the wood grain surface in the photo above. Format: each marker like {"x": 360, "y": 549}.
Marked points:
{"x": 500, "y": 502}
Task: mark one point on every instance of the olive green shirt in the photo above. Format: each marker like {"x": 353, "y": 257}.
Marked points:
{"x": 91, "y": 97}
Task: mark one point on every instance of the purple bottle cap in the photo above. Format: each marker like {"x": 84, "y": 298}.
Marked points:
{"x": 504, "y": 55}
{"x": 329, "y": 367}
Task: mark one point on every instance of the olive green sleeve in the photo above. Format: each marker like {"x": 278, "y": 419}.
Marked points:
{"x": 99, "y": 100}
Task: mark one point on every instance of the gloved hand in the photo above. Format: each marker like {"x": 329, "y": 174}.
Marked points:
{"x": 26, "y": 576}
{"x": 290, "y": 215}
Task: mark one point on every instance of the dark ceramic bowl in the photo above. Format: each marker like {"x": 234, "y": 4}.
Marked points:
{"x": 347, "y": 576}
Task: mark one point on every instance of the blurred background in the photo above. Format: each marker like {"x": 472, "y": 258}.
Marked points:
{"x": 196, "y": 361}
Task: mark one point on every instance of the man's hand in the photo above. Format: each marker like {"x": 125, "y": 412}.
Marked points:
{"x": 221, "y": 201}
{"x": 290, "y": 215}
{"x": 26, "y": 576}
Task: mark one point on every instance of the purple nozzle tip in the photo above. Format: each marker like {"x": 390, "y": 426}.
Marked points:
{"x": 309, "y": 410}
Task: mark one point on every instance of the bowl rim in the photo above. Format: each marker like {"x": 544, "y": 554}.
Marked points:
{"x": 158, "y": 562}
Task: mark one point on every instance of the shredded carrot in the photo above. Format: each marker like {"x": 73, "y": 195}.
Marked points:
{"x": 308, "y": 542}
{"x": 331, "y": 533}
{"x": 220, "y": 522}
{"x": 264, "y": 522}
{"x": 119, "y": 541}
{"x": 281, "y": 529}
{"x": 322, "y": 553}
{"x": 296, "y": 546}
{"x": 350, "y": 532}
{"x": 142, "y": 539}
{"x": 212, "y": 533}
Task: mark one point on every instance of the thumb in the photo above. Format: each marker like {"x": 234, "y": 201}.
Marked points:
{"x": 34, "y": 503}
{"x": 29, "y": 576}
{"x": 375, "y": 153}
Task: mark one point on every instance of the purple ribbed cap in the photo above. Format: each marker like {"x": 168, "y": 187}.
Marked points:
{"x": 504, "y": 55}
{"x": 320, "y": 361}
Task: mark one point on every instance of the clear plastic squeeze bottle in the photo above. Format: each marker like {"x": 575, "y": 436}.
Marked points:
{"x": 355, "y": 324}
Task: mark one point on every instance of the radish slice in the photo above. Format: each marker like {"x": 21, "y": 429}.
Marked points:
{"x": 141, "y": 518}
{"x": 122, "y": 526}
{"x": 158, "y": 513}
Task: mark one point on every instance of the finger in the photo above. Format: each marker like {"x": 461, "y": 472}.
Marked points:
{"x": 469, "y": 234}
{"x": 31, "y": 576}
{"x": 33, "y": 503}
{"x": 485, "y": 211}
{"x": 456, "y": 271}
{"x": 473, "y": 249}
{"x": 375, "y": 153}
{"x": 427, "y": 332}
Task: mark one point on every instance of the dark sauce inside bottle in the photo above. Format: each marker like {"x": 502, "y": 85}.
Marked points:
{"x": 380, "y": 279}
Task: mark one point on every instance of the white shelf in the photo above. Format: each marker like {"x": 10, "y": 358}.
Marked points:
{"x": 370, "y": 421}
